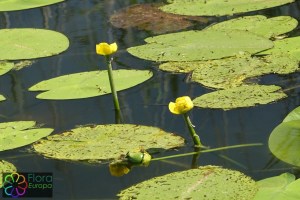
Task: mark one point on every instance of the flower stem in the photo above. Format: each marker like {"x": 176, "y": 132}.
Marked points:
{"x": 192, "y": 131}
{"x": 112, "y": 85}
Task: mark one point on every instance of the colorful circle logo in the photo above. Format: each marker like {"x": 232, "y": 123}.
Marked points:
{"x": 15, "y": 185}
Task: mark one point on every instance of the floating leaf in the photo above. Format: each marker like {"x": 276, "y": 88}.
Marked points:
{"x": 284, "y": 142}
{"x": 152, "y": 19}
{"x": 2, "y": 98}
{"x": 5, "y": 67}
{"x": 289, "y": 46}
{"x": 243, "y": 96}
{"x": 219, "y": 7}
{"x": 88, "y": 84}
{"x": 293, "y": 115}
{"x": 208, "y": 182}
{"x": 278, "y": 188}
{"x": 6, "y": 167}
{"x": 12, "y": 5}
{"x": 20, "y": 133}
{"x": 28, "y": 43}
{"x": 200, "y": 45}
{"x": 106, "y": 142}
{"x": 261, "y": 25}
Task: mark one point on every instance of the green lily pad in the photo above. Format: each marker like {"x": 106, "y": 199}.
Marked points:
{"x": 237, "y": 97}
{"x": 234, "y": 71}
{"x": 261, "y": 25}
{"x": 279, "y": 187}
{"x": 293, "y": 115}
{"x": 208, "y": 182}
{"x": 219, "y": 7}
{"x": 200, "y": 45}
{"x": 152, "y": 19}
{"x": 29, "y": 43}
{"x": 5, "y": 67}
{"x": 2, "y": 98}
{"x": 6, "y": 167}
{"x": 284, "y": 142}
{"x": 20, "y": 133}
{"x": 289, "y": 46}
{"x": 12, "y": 5}
{"x": 88, "y": 84}
{"x": 106, "y": 142}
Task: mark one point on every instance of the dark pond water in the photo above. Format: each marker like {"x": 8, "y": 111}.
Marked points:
{"x": 85, "y": 23}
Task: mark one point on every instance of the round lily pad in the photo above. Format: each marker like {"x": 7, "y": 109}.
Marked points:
{"x": 219, "y": 7}
{"x": 20, "y": 133}
{"x": 106, "y": 142}
{"x": 284, "y": 142}
{"x": 12, "y": 5}
{"x": 6, "y": 167}
{"x": 207, "y": 182}
{"x": 88, "y": 84}
{"x": 261, "y": 25}
{"x": 237, "y": 97}
{"x": 29, "y": 43}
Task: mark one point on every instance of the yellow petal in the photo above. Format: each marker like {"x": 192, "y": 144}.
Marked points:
{"x": 105, "y": 49}
{"x": 173, "y": 109}
{"x": 182, "y": 105}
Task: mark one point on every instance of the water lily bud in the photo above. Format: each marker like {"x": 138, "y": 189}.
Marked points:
{"x": 106, "y": 49}
{"x": 182, "y": 105}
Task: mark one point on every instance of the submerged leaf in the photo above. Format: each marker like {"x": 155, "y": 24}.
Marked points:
{"x": 284, "y": 142}
{"x": 152, "y": 19}
{"x": 28, "y": 43}
{"x": 208, "y": 182}
{"x": 219, "y": 7}
{"x": 5, "y": 167}
{"x": 12, "y": 5}
{"x": 200, "y": 45}
{"x": 278, "y": 188}
{"x": 88, "y": 84}
{"x": 243, "y": 96}
{"x": 20, "y": 133}
{"x": 106, "y": 142}
{"x": 2, "y": 98}
{"x": 261, "y": 25}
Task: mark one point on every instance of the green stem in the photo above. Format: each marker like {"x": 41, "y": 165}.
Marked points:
{"x": 192, "y": 131}
{"x": 208, "y": 150}
{"x": 112, "y": 85}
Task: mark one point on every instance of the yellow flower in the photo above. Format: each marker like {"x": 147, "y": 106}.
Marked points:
{"x": 182, "y": 105}
{"x": 106, "y": 49}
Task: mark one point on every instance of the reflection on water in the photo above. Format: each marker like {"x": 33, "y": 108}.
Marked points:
{"x": 86, "y": 23}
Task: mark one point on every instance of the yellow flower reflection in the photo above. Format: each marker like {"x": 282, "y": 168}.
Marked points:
{"x": 106, "y": 49}
{"x": 118, "y": 169}
{"x": 181, "y": 106}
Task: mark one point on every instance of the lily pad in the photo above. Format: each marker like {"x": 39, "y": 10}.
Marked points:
{"x": 279, "y": 187}
{"x": 293, "y": 115}
{"x": 5, "y": 67}
{"x": 12, "y": 5}
{"x": 152, "y": 19}
{"x": 20, "y": 133}
{"x": 208, "y": 182}
{"x": 238, "y": 97}
{"x": 289, "y": 46}
{"x": 219, "y": 7}
{"x": 5, "y": 167}
{"x": 261, "y": 25}
{"x": 2, "y": 98}
{"x": 29, "y": 43}
{"x": 88, "y": 84}
{"x": 106, "y": 142}
{"x": 284, "y": 142}
{"x": 200, "y": 45}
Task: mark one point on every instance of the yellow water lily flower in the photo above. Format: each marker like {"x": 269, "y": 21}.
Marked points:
{"x": 106, "y": 49}
{"x": 182, "y": 105}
